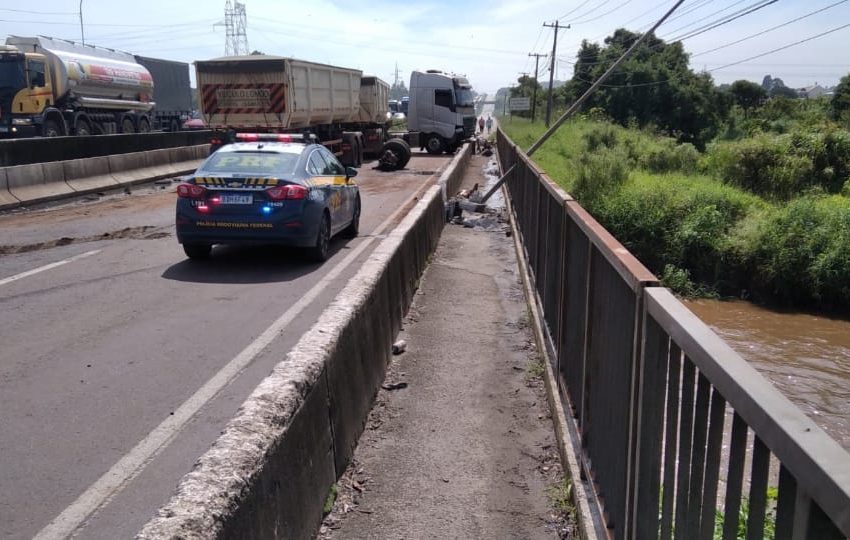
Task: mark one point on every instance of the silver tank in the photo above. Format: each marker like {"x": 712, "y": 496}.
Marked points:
{"x": 97, "y": 76}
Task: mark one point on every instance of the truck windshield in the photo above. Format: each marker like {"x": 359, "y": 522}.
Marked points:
{"x": 258, "y": 163}
{"x": 12, "y": 74}
{"x": 463, "y": 97}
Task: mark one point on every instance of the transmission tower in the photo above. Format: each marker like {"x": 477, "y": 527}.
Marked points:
{"x": 235, "y": 24}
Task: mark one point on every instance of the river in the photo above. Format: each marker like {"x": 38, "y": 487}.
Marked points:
{"x": 806, "y": 356}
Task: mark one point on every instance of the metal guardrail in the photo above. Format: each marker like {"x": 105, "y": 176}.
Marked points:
{"x": 656, "y": 396}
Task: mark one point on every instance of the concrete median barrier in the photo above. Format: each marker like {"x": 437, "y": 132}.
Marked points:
{"x": 7, "y": 200}
{"x": 129, "y": 168}
{"x": 323, "y": 388}
{"x": 38, "y": 182}
{"x": 89, "y": 175}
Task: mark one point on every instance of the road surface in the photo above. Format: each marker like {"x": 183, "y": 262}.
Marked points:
{"x": 122, "y": 360}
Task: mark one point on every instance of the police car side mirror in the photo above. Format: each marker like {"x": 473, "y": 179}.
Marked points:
{"x": 350, "y": 172}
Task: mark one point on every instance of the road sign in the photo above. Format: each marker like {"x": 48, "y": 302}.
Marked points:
{"x": 520, "y": 104}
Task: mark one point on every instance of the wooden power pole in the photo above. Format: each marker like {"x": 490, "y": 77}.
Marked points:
{"x": 534, "y": 92}
{"x": 556, "y": 26}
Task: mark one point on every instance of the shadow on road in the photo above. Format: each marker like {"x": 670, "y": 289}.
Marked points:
{"x": 254, "y": 264}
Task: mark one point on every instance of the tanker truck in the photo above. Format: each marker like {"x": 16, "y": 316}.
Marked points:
{"x": 345, "y": 110}
{"x": 52, "y": 87}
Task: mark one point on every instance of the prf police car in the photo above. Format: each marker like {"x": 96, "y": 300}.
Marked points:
{"x": 268, "y": 189}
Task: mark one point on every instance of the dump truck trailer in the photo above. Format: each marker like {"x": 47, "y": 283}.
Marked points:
{"x": 172, "y": 92}
{"x": 263, "y": 93}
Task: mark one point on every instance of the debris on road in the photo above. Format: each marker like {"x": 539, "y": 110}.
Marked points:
{"x": 399, "y": 346}
{"x": 394, "y": 386}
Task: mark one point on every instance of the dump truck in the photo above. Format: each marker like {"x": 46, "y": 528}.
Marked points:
{"x": 345, "y": 110}
{"x": 53, "y": 87}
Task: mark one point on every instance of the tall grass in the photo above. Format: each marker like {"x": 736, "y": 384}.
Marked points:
{"x": 756, "y": 220}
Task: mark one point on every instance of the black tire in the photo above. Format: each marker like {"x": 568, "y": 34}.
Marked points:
{"x": 82, "y": 128}
{"x": 353, "y": 228}
{"x": 358, "y": 154}
{"x": 434, "y": 144}
{"x": 127, "y": 125}
{"x": 197, "y": 251}
{"x": 400, "y": 149}
{"x": 174, "y": 127}
{"x": 320, "y": 251}
{"x": 50, "y": 129}
{"x": 144, "y": 125}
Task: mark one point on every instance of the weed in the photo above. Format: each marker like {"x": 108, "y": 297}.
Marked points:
{"x": 560, "y": 497}
{"x": 535, "y": 368}
{"x": 331, "y": 499}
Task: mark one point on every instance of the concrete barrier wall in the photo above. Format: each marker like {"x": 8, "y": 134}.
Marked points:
{"x": 39, "y": 150}
{"x": 7, "y": 200}
{"x": 43, "y": 182}
{"x": 268, "y": 474}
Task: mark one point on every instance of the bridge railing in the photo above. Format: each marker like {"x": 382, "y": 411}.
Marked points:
{"x": 668, "y": 415}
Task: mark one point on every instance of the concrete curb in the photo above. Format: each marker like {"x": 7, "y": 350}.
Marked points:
{"x": 268, "y": 474}
{"x": 7, "y": 200}
{"x": 589, "y": 521}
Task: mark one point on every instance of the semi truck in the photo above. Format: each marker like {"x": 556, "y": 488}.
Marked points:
{"x": 345, "y": 110}
{"x": 52, "y": 87}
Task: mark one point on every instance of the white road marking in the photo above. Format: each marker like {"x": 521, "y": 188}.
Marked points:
{"x": 132, "y": 464}
{"x": 50, "y": 266}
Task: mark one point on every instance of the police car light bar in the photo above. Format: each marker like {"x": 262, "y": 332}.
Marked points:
{"x": 274, "y": 137}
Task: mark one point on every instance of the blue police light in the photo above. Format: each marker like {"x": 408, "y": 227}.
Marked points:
{"x": 267, "y": 209}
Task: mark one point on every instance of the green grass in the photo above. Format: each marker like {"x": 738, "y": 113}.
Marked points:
{"x": 674, "y": 210}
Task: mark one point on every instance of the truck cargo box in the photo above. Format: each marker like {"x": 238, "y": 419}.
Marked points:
{"x": 274, "y": 92}
{"x": 172, "y": 90}
{"x": 374, "y": 100}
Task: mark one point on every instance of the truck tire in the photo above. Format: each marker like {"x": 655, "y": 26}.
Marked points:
{"x": 127, "y": 125}
{"x": 395, "y": 154}
{"x": 82, "y": 128}
{"x": 144, "y": 125}
{"x": 434, "y": 144}
{"x": 50, "y": 129}
{"x": 175, "y": 126}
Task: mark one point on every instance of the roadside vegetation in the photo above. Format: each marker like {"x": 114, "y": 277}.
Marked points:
{"x": 740, "y": 190}
{"x": 766, "y": 215}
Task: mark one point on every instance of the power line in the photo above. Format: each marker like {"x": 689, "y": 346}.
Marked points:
{"x": 615, "y": 8}
{"x": 39, "y": 12}
{"x": 771, "y": 29}
{"x": 725, "y": 20}
{"x": 578, "y": 7}
{"x": 591, "y": 10}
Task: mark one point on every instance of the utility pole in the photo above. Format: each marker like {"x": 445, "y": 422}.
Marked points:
{"x": 82, "y": 32}
{"x": 552, "y": 68}
{"x": 534, "y": 97}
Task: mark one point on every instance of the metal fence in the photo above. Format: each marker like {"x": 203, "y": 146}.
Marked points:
{"x": 668, "y": 416}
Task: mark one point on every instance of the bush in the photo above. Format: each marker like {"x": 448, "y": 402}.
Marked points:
{"x": 600, "y": 173}
{"x": 802, "y": 252}
{"x": 668, "y": 156}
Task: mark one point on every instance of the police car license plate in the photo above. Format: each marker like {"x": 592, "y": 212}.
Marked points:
{"x": 237, "y": 199}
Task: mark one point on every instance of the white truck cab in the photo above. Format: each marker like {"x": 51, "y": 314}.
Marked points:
{"x": 441, "y": 110}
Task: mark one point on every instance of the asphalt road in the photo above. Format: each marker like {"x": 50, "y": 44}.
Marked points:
{"x": 121, "y": 360}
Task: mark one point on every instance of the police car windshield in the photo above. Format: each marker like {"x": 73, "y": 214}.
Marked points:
{"x": 254, "y": 163}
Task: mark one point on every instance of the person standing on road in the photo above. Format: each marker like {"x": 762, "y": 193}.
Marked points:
{"x": 489, "y": 124}
{"x": 481, "y": 124}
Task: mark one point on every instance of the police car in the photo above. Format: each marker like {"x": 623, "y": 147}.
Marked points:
{"x": 268, "y": 189}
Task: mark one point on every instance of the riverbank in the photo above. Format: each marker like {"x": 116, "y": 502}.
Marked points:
{"x": 678, "y": 211}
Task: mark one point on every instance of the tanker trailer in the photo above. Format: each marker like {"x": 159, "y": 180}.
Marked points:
{"x": 53, "y": 87}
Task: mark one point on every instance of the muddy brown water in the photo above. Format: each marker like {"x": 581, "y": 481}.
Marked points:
{"x": 806, "y": 356}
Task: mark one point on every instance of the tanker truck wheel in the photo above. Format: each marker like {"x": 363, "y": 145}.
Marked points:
{"x": 127, "y": 125}
{"x": 394, "y": 155}
{"x": 144, "y": 125}
{"x": 83, "y": 129}
{"x": 434, "y": 144}
{"x": 50, "y": 129}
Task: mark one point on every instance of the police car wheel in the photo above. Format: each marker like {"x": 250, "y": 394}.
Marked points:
{"x": 197, "y": 251}
{"x": 319, "y": 252}
{"x": 354, "y": 227}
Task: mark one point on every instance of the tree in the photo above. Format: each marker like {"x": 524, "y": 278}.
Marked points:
{"x": 782, "y": 91}
{"x": 526, "y": 86}
{"x": 748, "y": 95}
{"x": 398, "y": 90}
{"x": 840, "y": 103}
{"x": 654, "y": 86}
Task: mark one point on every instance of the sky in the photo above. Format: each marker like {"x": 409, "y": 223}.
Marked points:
{"x": 489, "y": 42}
